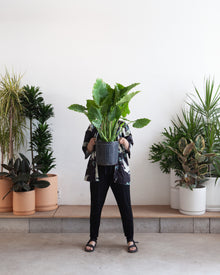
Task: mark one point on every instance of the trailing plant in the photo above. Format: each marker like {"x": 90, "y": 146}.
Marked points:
{"x": 109, "y": 105}
{"x": 193, "y": 160}
{"x": 11, "y": 110}
{"x": 209, "y": 110}
{"x": 23, "y": 175}
{"x": 188, "y": 126}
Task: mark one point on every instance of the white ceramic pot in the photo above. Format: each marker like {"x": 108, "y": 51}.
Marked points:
{"x": 192, "y": 202}
{"x": 174, "y": 191}
{"x": 212, "y": 194}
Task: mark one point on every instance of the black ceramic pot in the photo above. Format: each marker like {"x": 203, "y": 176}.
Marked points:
{"x": 106, "y": 153}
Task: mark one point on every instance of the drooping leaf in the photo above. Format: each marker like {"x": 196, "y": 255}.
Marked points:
{"x": 77, "y": 108}
{"x": 140, "y": 123}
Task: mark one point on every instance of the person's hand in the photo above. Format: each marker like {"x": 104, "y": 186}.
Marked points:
{"x": 91, "y": 145}
{"x": 124, "y": 142}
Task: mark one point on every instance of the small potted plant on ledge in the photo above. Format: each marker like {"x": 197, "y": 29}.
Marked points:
{"x": 25, "y": 179}
{"x": 107, "y": 112}
{"x": 194, "y": 168}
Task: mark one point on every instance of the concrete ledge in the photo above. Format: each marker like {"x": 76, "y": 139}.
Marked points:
{"x": 111, "y": 211}
{"x": 75, "y": 219}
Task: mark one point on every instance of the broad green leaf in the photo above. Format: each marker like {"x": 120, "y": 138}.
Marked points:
{"x": 140, "y": 123}
{"x": 127, "y": 98}
{"x": 77, "y": 108}
{"x": 114, "y": 114}
{"x": 99, "y": 91}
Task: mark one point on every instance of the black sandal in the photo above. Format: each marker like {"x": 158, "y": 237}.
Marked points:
{"x": 131, "y": 246}
{"x": 90, "y": 245}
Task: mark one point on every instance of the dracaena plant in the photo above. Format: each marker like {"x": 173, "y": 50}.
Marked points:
{"x": 208, "y": 107}
{"x": 193, "y": 160}
{"x": 108, "y": 106}
{"x": 24, "y": 176}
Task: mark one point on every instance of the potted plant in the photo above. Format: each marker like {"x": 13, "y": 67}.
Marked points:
{"x": 209, "y": 111}
{"x": 11, "y": 129}
{"x": 187, "y": 125}
{"x": 107, "y": 112}
{"x": 38, "y": 114}
{"x": 25, "y": 179}
{"x": 194, "y": 168}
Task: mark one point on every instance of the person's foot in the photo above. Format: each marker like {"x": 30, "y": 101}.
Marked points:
{"x": 90, "y": 246}
{"x": 132, "y": 248}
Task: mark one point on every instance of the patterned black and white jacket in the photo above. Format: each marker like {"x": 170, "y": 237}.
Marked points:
{"x": 122, "y": 170}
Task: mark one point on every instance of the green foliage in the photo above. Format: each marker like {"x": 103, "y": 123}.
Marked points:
{"x": 11, "y": 113}
{"x": 189, "y": 126}
{"x": 23, "y": 175}
{"x": 192, "y": 159}
{"x": 40, "y": 134}
{"x": 209, "y": 110}
{"x": 107, "y": 107}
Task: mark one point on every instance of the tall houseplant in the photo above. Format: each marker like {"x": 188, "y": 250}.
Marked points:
{"x": 11, "y": 129}
{"x": 108, "y": 106}
{"x": 208, "y": 107}
{"x": 38, "y": 114}
{"x": 194, "y": 167}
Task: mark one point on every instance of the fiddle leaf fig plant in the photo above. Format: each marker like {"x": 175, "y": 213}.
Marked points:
{"x": 109, "y": 105}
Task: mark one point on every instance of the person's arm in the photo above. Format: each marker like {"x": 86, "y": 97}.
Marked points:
{"x": 126, "y": 140}
{"x": 89, "y": 141}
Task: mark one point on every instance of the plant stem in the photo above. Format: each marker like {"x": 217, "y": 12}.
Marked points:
{"x": 31, "y": 145}
{"x": 11, "y": 133}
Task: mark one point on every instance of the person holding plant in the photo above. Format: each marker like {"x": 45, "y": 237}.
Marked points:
{"x": 102, "y": 177}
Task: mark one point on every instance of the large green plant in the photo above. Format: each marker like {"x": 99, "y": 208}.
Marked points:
{"x": 208, "y": 107}
{"x": 193, "y": 160}
{"x": 4, "y": 139}
{"x": 109, "y": 105}
{"x": 23, "y": 175}
{"x": 188, "y": 125}
{"x": 11, "y": 109}
{"x": 42, "y": 138}
{"x": 30, "y": 102}
{"x": 38, "y": 114}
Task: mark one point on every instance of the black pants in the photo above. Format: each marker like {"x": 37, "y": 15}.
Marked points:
{"x": 122, "y": 195}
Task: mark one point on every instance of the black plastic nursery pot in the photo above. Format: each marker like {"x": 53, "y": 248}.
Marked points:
{"x": 106, "y": 153}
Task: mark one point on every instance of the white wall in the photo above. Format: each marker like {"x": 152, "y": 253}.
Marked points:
{"x": 63, "y": 46}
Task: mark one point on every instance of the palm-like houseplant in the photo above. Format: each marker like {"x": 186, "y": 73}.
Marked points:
{"x": 108, "y": 106}
{"x": 11, "y": 130}
{"x": 208, "y": 107}
{"x": 209, "y": 111}
{"x": 188, "y": 125}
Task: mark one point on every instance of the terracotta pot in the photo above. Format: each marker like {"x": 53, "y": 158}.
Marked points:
{"x": 46, "y": 198}
{"x": 6, "y": 204}
{"x": 24, "y": 203}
